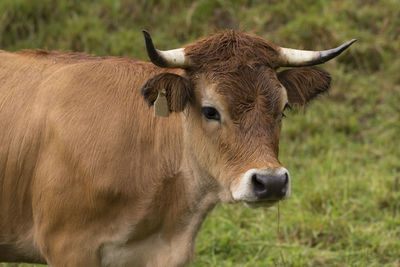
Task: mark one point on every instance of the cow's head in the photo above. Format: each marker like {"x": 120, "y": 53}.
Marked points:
{"x": 234, "y": 101}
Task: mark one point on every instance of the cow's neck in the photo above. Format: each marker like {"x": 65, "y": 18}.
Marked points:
{"x": 186, "y": 199}
{"x": 184, "y": 210}
{"x": 185, "y": 195}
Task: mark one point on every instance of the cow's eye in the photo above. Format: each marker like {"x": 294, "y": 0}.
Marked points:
{"x": 210, "y": 113}
{"x": 287, "y": 106}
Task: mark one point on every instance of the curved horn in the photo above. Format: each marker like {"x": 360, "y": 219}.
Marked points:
{"x": 166, "y": 59}
{"x": 297, "y": 58}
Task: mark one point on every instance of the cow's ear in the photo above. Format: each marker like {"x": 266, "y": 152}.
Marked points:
{"x": 177, "y": 90}
{"x": 305, "y": 83}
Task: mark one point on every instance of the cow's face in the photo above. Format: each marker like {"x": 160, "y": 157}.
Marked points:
{"x": 233, "y": 130}
{"x": 233, "y": 127}
{"x": 233, "y": 102}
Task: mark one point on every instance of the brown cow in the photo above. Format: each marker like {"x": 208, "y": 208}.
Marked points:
{"x": 88, "y": 177}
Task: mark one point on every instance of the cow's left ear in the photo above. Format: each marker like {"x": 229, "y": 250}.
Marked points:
{"x": 177, "y": 90}
{"x": 305, "y": 83}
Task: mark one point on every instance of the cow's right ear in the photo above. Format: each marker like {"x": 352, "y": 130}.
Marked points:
{"x": 178, "y": 90}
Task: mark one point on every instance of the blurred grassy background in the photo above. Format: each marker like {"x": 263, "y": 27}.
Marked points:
{"x": 343, "y": 151}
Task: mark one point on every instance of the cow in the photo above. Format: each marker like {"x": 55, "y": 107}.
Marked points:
{"x": 90, "y": 177}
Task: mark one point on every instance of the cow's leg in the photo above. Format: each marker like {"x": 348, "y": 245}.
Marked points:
{"x": 72, "y": 259}
{"x": 61, "y": 245}
{"x": 62, "y": 248}
{"x": 65, "y": 228}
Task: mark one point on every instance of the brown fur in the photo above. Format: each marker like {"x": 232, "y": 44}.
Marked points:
{"x": 87, "y": 172}
{"x": 227, "y": 51}
{"x": 70, "y": 142}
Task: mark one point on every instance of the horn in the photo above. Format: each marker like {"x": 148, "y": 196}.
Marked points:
{"x": 296, "y": 58}
{"x": 166, "y": 59}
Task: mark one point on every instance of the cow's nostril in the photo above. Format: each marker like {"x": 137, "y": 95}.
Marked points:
{"x": 286, "y": 179}
{"x": 259, "y": 186}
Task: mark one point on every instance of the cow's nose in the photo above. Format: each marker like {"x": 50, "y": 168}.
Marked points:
{"x": 270, "y": 186}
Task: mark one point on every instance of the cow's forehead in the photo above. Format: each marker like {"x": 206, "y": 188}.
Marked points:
{"x": 247, "y": 89}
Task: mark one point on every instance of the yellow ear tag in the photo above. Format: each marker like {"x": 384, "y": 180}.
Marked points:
{"x": 161, "y": 105}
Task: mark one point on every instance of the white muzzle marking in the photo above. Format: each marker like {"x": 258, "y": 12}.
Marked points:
{"x": 244, "y": 190}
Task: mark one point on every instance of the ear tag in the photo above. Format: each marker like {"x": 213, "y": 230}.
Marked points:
{"x": 161, "y": 105}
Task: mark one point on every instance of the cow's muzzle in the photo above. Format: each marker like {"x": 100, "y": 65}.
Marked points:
{"x": 262, "y": 186}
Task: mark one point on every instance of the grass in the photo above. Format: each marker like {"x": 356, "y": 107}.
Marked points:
{"x": 342, "y": 150}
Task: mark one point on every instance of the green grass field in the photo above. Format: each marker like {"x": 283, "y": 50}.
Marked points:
{"x": 343, "y": 151}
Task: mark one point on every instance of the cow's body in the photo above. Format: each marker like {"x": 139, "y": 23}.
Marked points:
{"x": 84, "y": 164}
{"x": 88, "y": 177}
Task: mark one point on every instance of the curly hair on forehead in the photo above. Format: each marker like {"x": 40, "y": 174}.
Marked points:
{"x": 228, "y": 50}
